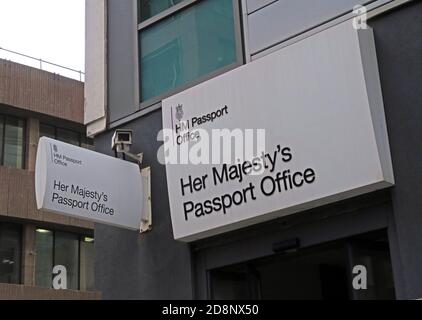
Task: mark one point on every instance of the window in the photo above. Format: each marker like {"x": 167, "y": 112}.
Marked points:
{"x": 12, "y": 142}
{"x": 43, "y": 258}
{"x": 47, "y": 131}
{"x": 69, "y": 136}
{"x": 65, "y": 135}
{"x": 185, "y": 45}
{"x": 87, "y": 264}
{"x": 10, "y": 253}
{"x": 66, "y": 253}
{"x": 74, "y": 252}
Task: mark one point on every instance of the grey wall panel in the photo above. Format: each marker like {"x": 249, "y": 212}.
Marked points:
{"x": 154, "y": 265}
{"x": 253, "y": 5}
{"x": 95, "y": 60}
{"x": 286, "y": 18}
{"x": 122, "y": 73}
{"x": 398, "y": 39}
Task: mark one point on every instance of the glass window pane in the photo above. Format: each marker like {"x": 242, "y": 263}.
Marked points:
{"x": 186, "y": 46}
{"x": 87, "y": 143}
{"x": 47, "y": 131}
{"x": 68, "y": 136}
{"x": 14, "y": 143}
{"x": 43, "y": 258}
{"x": 10, "y": 253}
{"x": 87, "y": 264}
{"x": 66, "y": 253}
{"x": 149, "y": 8}
{"x": 1, "y": 138}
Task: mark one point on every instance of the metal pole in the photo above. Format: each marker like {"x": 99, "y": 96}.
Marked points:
{"x": 42, "y": 61}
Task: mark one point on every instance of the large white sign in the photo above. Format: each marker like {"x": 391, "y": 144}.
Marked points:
{"x": 81, "y": 183}
{"x": 319, "y": 102}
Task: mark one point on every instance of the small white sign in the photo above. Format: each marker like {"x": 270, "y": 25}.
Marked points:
{"x": 319, "y": 102}
{"x": 85, "y": 184}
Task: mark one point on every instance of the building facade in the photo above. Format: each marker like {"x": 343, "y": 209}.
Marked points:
{"x": 145, "y": 56}
{"x": 36, "y": 103}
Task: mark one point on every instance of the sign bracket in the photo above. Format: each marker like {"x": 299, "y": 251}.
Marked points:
{"x": 146, "y": 214}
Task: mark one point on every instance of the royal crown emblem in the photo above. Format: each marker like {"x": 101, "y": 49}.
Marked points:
{"x": 179, "y": 112}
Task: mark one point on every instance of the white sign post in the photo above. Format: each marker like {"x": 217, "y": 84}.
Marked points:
{"x": 81, "y": 183}
{"x": 320, "y": 104}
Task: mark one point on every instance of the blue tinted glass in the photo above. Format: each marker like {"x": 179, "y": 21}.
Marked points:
{"x": 186, "y": 46}
{"x": 149, "y": 8}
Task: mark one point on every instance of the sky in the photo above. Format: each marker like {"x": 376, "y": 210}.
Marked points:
{"x": 53, "y": 30}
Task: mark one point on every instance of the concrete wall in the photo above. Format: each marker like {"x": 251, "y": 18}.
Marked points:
{"x": 35, "y": 95}
{"x": 31, "y": 93}
{"x": 40, "y": 91}
{"x": 19, "y": 292}
{"x": 17, "y": 200}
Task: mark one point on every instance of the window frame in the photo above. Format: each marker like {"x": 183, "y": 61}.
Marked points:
{"x": 239, "y": 43}
{"x": 3, "y": 118}
{"x": 82, "y": 139}
{"x": 81, "y": 237}
{"x": 56, "y": 129}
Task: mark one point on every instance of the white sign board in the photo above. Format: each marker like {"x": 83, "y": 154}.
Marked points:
{"x": 319, "y": 101}
{"x": 85, "y": 184}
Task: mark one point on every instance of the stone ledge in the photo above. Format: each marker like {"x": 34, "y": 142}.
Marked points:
{"x": 17, "y": 200}
{"x": 21, "y": 292}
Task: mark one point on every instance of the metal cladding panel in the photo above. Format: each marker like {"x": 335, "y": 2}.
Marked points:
{"x": 95, "y": 56}
{"x": 254, "y": 5}
{"x": 122, "y": 59}
{"x": 286, "y": 18}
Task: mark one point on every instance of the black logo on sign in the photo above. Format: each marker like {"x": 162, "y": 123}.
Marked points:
{"x": 55, "y": 149}
{"x": 179, "y": 112}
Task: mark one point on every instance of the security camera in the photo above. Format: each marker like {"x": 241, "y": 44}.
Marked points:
{"x": 121, "y": 143}
{"x": 121, "y": 140}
